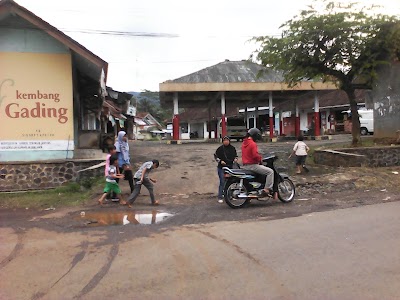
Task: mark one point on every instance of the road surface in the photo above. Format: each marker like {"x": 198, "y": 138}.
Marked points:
{"x": 350, "y": 253}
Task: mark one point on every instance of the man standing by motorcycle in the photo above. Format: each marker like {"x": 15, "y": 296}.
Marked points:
{"x": 226, "y": 156}
{"x": 251, "y": 159}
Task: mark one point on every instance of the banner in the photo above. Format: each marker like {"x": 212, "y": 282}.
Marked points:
{"x": 36, "y": 101}
{"x": 36, "y": 145}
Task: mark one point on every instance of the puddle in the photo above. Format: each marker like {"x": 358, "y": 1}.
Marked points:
{"x": 123, "y": 218}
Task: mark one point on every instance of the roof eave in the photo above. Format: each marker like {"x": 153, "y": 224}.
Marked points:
{"x": 243, "y": 86}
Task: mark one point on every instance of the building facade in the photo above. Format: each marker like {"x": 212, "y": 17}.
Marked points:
{"x": 51, "y": 89}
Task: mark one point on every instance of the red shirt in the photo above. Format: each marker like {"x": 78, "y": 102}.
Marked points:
{"x": 250, "y": 153}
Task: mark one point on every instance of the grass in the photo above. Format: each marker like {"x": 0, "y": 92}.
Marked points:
{"x": 365, "y": 142}
{"x": 72, "y": 194}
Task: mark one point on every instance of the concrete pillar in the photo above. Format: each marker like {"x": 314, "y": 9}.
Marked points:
{"x": 256, "y": 123}
{"x": 223, "y": 112}
{"x": 246, "y": 119}
{"x": 316, "y": 115}
{"x": 209, "y": 123}
{"x": 297, "y": 120}
{"x": 205, "y": 135}
{"x": 175, "y": 120}
{"x": 271, "y": 116}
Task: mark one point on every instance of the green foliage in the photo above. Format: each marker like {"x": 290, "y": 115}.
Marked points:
{"x": 155, "y": 138}
{"x": 337, "y": 44}
{"x": 149, "y": 101}
{"x": 333, "y": 41}
{"x": 71, "y": 187}
{"x": 89, "y": 182}
{"x": 71, "y": 194}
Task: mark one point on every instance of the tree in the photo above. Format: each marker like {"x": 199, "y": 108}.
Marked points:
{"x": 145, "y": 105}
{"x": 149, "y": 101}
{"x": 338, "y": 42}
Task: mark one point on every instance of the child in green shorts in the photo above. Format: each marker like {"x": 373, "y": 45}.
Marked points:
{"x": 111, "y": 183}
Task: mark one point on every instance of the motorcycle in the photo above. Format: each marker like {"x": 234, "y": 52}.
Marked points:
{"x": 241, "y": 186}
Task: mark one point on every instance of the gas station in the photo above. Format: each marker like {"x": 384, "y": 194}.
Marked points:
{"x": 230, "y": 85}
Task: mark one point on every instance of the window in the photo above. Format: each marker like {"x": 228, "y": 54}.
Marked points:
{"x": 184, "y": 128}
{"x": 236, "y": 122}
{"x": 252, "y": 123}
{"x": 89, "y": 121}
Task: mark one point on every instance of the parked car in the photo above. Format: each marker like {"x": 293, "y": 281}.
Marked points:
{"x": 366, "y": 120}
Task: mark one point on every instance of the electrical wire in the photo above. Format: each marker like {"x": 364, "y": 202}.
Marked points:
{"x": 133, "y": 33}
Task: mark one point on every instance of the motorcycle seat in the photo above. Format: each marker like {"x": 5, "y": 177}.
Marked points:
{"x": 273, "y": 157}
{"x": 238, "y": 171}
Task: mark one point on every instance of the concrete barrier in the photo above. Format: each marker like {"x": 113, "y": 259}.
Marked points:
{"x": 355, "y": 157}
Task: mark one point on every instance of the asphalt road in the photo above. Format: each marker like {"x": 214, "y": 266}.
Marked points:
{"x": 337, "y": 240}
{"x": 342, "y": 254}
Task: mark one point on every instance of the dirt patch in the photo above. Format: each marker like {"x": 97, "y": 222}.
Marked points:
{"x": 187, "y": 188}
{"x": 387, "y": 141}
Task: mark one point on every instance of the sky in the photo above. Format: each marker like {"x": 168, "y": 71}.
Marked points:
{"x": 152, "y": 41}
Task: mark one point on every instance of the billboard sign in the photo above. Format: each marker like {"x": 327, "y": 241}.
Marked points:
{"x": 36, "y": 102}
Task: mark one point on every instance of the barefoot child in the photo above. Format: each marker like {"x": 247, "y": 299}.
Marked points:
{"x": 111, "y": 151}
{"x": 141, "y": 177}
{"x": 300, "y": 149}
{"x": 111, "y": 183}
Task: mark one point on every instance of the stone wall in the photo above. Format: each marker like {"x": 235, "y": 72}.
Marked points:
{"x": 356, "y": 157}
{"x": 22, "y": 176}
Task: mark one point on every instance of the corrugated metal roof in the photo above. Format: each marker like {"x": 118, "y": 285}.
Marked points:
{"x": 140, "y": 122}
{"x": 114, "y": 111}
{"x": 232, "y": 71}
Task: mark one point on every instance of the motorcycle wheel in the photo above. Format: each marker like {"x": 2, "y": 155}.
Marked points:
{"x": 286, "y": 190}
{"x": 233, "y": 189}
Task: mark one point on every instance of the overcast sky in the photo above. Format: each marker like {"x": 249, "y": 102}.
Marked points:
{"x": 180, "y": 36}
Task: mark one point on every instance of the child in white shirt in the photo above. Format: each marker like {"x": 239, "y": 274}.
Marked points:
{"x": 300, "y": 149}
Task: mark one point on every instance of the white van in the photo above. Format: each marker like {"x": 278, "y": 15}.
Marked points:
{"x": 366, "y": 120}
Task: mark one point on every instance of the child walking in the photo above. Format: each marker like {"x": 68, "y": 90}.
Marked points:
{"x": 111, "y": 183}
{"x": 300, "y": 149}
{"x": 141, "y": 177}
{"x": 112, "y": 150}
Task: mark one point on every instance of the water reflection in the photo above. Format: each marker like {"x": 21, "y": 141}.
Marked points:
{"x": 123, "y": 218}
